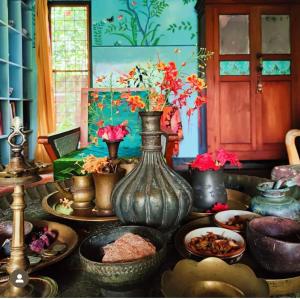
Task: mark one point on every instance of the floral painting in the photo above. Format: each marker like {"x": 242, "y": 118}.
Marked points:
{"x": 107, "y": 108}
{"x": 143, "y": 22}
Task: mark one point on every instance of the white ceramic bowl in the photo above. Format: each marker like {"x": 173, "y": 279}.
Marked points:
{"x": 222, "y": 217}
{"x": 232, "y": 257}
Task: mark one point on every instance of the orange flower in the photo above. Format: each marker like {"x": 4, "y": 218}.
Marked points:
{"x": 100, "y": 79}
{"x": 131, "y": 73}
{"x": 125, "y": 95}
{"x": 123, "y": 80}
{"x": 199, "y": 101}
{"x": 196, "y": 82}
{"x": 101, "y": 106}
{"x": 135, "y": 102}
{"x": 95, "y": 95}
{"x": 161, "y": 66}
{"x": 100, "y": 123}
{"x": 116, "y": 102}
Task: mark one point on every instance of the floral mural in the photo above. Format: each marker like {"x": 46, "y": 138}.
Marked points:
{"x": 142, "y": 22}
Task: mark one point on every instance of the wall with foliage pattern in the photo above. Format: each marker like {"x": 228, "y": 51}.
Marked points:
{"x": 127, "y": 32}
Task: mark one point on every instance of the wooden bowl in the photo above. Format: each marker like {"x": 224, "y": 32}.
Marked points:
{"x": 275, "y": 243}
{"x": 232, "y": 257}
{"x": 223, "y": 217}
{"x": 121, "y": 273}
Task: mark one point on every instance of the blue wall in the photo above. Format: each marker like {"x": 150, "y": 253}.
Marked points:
{"x": 119, "y": 42}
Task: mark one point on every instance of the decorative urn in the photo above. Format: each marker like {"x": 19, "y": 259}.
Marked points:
{"x": 275, "y": 202}
{"x": 152, "y": 194}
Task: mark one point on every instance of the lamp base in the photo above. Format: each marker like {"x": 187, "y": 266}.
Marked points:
{"x": 38, "y": 287}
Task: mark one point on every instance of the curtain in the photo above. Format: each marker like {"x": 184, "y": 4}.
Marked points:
{"x": 45, "y": 96}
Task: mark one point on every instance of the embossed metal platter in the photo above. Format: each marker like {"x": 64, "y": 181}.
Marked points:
{"x": 51, "y": 205}
{"x": 278, "y": 284}
{"x": 66, "y": 236}
{"x": 236, "y": 201}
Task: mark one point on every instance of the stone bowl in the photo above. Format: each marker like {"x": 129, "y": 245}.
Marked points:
{"x": 275, "y": 243}
{"x": 122, "y": 273}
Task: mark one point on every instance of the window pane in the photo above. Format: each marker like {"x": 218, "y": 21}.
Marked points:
{"x": 276, "y": 67}
{"x": 234, "y": 34}
{"x": 70, "y": 62}
{"x": 234, "y": 68}
{"x": 275, "y": 34}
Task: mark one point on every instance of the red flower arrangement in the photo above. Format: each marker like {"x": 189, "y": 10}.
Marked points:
{"x": 207, "y": 161}
{"x": 113, "y": 133}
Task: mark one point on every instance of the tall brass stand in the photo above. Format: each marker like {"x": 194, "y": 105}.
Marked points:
{"x": 18, "y": 173}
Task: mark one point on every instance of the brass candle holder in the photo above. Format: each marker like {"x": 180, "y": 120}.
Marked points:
{"x": 20, "y": 172}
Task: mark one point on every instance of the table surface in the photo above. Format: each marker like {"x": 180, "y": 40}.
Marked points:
{"x": 71, "y": 279}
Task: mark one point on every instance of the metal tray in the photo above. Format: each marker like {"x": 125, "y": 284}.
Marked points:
{"x": 236, "y": 201}
{"x": 278, "y": 284}
{"x": 66, "y": 235}
{"x": 51, "y": 205}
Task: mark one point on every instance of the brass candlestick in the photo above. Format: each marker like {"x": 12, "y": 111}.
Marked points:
{"x": 19, "y": 172}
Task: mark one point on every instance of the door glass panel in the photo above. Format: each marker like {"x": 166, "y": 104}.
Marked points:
{"x": 276, "y": 67}
{"x": 234, "y": 68}
{"x": 275, "y": 34}
{"x": 234, "y": 34}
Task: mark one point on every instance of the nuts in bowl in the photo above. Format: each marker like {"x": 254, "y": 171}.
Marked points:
{"x": 215, "y": 242}
{"x": 234, "y": 219}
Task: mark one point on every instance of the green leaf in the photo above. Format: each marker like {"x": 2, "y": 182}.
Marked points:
{"x": 124, "y": 36}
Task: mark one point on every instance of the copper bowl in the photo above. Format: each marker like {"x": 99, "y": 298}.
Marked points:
{"x": 121, "y": 273}
{"x": 275, "y": 243}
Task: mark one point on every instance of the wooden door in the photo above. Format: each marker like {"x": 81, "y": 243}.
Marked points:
{"x": 252, "y": 83}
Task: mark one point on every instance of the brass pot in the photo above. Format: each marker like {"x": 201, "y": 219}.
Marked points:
{"x": 104, "y": 185}
{"x": 83, "y": 192}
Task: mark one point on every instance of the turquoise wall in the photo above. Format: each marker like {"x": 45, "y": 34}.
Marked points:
{"x": 126, "y": 32}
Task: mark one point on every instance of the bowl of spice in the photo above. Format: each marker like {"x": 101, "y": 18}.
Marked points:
{"x": 215, "y": 242}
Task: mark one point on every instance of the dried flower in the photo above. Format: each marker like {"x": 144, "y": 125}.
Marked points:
{"x": 92, "y": 164}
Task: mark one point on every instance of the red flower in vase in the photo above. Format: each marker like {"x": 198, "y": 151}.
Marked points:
{"x": 206, "y": 161}
{"x": 113, "y": 133}
{"x": 218, "y": 207}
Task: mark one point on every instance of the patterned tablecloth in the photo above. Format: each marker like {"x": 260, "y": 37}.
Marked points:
{"x": 71, "y": 279}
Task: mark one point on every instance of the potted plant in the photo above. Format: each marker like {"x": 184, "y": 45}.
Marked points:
{"x": 207, "y": 178}
{"x": 106, "y": 173}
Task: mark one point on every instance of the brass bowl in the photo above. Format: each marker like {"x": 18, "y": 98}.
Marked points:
{"x": 212, "y": 289}
{"x": 187, "y": 274}
{"x": 121, "y": 274}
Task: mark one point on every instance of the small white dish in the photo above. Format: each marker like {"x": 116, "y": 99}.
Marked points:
{"x": 222, "y": 218}
{"x": 226, "y": 233}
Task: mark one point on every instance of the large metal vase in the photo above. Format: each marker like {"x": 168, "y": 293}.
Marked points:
{"x": 208, "y": 188}
{"x": 152, "y": 194}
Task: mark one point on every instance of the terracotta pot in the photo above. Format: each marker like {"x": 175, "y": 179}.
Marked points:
{"x": 208, "y": 188}
{"x": 83, "y": 192}
{"x": 104, "y": 185}
{"x": 152, "y": 194}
